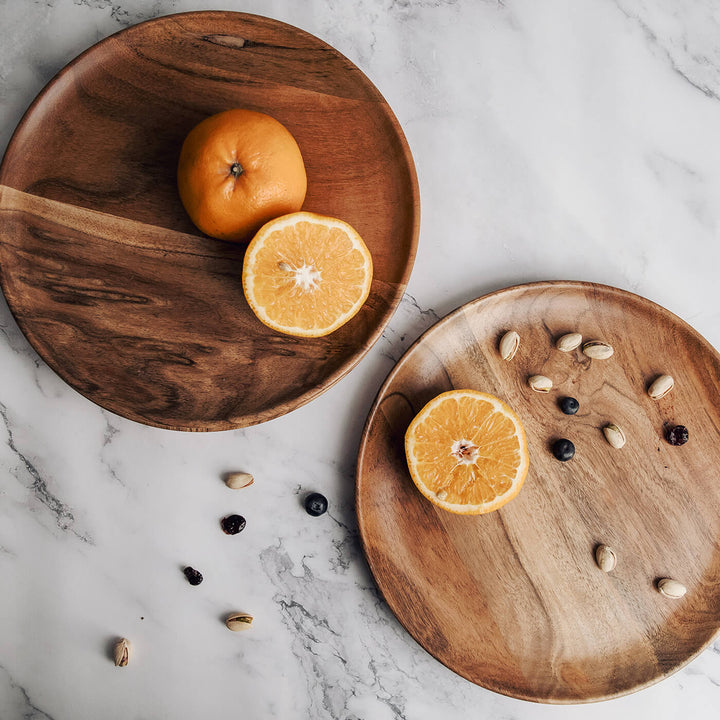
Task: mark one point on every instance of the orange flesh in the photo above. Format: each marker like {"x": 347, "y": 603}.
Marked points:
{"x": 468, "y": 450}
{"x": 326, "y": 277}
{"x": 306, "y": 275}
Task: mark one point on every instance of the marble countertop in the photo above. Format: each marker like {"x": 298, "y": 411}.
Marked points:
{"x": 553, "y": 140}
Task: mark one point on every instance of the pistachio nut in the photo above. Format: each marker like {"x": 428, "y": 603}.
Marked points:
{"x": 661, "y": 386}
{"x": 540, "y": 383}
{"x": 122, "y": 651}
{"x": 568, "y": 342}
{"x": 605, "y": 558}
{"x": 237, "y": 480}
{"x": 509, "y": 344}
{"x": 238, "y": 621}
{"x": 597, "y": 350}
{"x": 614, "y": 435}
{"x": 671, "y": 588}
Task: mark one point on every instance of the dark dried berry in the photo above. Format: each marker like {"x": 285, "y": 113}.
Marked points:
{"x": 194, "y": 577}
{"x": 233, "y": 524}
{"x": 677, "y": 435}
{"x": 316, "y": 504}
{"x": 569, "y": 405}
{"x": 563, "y": 450}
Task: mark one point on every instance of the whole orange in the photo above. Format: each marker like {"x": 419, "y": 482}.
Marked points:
{"x": 237, "y": 170}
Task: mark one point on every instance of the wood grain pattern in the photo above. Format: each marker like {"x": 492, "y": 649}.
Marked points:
{"x": 513, "y": 600}
{"x": 105, "y": 273}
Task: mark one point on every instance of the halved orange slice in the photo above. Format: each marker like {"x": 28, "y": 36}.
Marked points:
{"x": 467, "y": 452}
{"x": 306, "y": 274}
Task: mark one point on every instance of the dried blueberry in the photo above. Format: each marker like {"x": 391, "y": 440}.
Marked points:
{"x": 194, "y": 577}
{"x": 233, "y": 524}
{"x": 569, "y": 405}
{"x": 563, "y": 450}
{"x": 316, "y": 504}
{"x": 677, "y": 435}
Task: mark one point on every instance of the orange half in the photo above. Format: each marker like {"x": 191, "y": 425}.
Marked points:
{"x": 467, "y": 452}
{"x": 306, "y": 274}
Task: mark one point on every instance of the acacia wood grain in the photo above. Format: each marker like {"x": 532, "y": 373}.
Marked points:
{"x": 513, "y": 600}
{"x": 105, "y": 273}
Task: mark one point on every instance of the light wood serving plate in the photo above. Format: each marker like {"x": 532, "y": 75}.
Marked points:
{"x": 106, "y": 275}
{"x": 513, "y": 600}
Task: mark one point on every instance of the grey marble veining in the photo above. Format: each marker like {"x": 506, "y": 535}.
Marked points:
{"x": 554, "y": 140}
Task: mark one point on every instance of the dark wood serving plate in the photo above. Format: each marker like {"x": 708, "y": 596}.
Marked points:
{"x": 513, "y": 600}
{"x": 103, "y": 270}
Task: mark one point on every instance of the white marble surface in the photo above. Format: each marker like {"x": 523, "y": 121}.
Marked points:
{"x": 553, "y": 140}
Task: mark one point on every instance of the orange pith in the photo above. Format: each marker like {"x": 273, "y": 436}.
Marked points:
{"x": 237, "y": 170}
{"x": 467, "y": 452}
{"x": 306, "y": 274}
